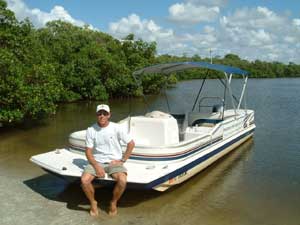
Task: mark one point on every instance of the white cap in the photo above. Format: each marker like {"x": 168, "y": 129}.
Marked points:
{"x": 103, "y": 107}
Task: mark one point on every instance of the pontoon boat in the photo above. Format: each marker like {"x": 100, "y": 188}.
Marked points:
{"x": 169, "y": 148}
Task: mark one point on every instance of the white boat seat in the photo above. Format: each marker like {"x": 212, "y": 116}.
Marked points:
{"x": 155, "y": 129}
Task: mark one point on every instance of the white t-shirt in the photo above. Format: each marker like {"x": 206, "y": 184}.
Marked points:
{"x": 106, "y": 141}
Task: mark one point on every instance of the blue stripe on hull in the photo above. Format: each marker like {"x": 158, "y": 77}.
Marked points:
{"x": 194, "y": 163}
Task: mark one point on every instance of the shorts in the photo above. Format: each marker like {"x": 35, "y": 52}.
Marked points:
{"x": 109, "y": 169}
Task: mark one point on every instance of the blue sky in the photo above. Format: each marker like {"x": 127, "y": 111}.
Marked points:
{"x": 266, "y": 30}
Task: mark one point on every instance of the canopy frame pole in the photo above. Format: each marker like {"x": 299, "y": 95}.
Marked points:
{"x": 230, "y": 91}
{"x": 200, "y": 90}
{"x": 230, "y": 77}
{"x": 224, "y": 98}
{"x": 167, "y": 100}
{"x": 245, "y": 98}
{"x": 243, "y": 91}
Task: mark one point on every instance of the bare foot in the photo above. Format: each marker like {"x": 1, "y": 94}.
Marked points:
{"x": 113, "y": 209}
{"x": 94, "y": 209}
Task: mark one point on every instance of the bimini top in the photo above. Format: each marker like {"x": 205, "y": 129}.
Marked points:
{"x": 167, "y": 68}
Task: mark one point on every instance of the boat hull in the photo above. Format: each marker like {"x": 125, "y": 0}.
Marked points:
{"x": 200, "y": 164}
{"x": 161, "y": 178}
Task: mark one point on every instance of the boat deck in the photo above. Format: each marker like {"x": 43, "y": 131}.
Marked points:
{"x": 66, "y": 163}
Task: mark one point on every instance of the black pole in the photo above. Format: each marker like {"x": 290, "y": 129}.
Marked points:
{"x": 199, "y": 91}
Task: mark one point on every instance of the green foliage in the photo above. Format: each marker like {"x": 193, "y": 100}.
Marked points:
{"x": 152, "y": 83}
{"x": 61, "y": 63}
{"x": 138, "y": 53}
{"x": 28, "y": 86}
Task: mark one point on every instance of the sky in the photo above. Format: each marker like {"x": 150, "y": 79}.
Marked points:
{"x": 266, "y": 30}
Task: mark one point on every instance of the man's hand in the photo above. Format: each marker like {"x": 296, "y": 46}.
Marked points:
{"x": 99, "y": 171}
{"x": 115, "y": 162}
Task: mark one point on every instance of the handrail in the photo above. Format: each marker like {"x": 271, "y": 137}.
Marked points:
{"x": 210, "y": 97}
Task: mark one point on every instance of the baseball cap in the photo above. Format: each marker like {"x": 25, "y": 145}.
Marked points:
{"x": 103, "y": 107}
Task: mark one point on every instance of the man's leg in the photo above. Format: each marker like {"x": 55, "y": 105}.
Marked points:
{"x": 121, "y": 180}
{"x": 87, "y": 187}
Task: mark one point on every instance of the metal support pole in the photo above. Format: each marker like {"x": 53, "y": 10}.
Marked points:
{"x": 230, "y": 91}
{"x": 243, "y": 91}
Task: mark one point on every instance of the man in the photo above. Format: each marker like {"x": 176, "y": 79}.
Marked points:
{"x": 104, "y": 153}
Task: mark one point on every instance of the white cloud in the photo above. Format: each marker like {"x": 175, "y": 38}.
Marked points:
{"x": 255, "y": 33}
{"x": 40, "y": 18}
{"x": 260, "y": 37}
{"x": 290, "y": 39}
{"x": 296, "y": 22}
{"x": 251, "y": 33}
{"x": 190, "y": 14}
{"x": 255, "y": 18}
{"x": 195, "y": 11}
{"x": 208, "y": 2}
{"x": 260, "y": 33}
{"x": 167, "y": 41}
{"x": 148, "y": 30}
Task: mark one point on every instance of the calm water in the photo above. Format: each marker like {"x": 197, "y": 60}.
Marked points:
{"x": 259, "y": 183}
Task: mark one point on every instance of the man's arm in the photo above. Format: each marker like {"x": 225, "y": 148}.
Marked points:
{"x": 126, "y": 155}
{"x": 89, "y": 155}
{"x": 128, "y": 151}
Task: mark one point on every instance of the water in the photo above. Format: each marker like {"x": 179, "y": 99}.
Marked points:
{"x": 258, "y": 183}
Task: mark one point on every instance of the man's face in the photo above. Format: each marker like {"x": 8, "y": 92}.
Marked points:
{"x": 103, "y": 118}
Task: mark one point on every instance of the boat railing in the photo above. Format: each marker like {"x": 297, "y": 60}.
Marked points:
{"x": 214, "y": 107}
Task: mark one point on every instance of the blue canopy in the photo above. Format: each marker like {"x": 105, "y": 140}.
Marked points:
{"x": 178, "y": 66}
